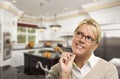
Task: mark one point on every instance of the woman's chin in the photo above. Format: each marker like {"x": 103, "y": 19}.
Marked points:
{"x": 78, "y": 52}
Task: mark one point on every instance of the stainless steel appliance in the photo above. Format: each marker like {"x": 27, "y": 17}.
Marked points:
{"x": 6, "y": 45}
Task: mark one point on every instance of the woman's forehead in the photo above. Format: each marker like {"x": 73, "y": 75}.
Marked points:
{"x": 88, "y": 29}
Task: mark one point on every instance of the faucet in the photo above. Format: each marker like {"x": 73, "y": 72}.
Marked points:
{"x": 45, "y": 69}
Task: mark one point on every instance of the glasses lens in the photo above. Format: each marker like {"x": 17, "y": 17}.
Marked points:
{"x": 87, "y": 38}
{"x": 79, "y": 34}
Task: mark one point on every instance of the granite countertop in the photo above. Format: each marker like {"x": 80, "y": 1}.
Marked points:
{"x": 53, "y": 54}
{"x": 42, "y": 48}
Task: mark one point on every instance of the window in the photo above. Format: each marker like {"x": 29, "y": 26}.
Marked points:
{"x": 26, "y": 34}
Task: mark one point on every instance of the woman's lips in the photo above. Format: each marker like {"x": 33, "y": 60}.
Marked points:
{"x": 79, "y": 46}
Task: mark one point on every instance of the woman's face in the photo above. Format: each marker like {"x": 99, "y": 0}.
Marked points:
{"x": 84, "y": 40}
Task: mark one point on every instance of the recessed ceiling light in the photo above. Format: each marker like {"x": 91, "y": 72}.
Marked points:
{"x": 14, "y": 1}
{"x": 65, "y": 8}
{"x": 46, "y": 13}
{"x": 95, "y": 0}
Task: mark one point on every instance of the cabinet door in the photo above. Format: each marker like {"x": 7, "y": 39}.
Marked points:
{"x": 1, "y": 40}
{"x": 17, "y": 58}
{"x": 31, "y": 61}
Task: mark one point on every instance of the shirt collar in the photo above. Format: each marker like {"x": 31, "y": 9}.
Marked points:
{"x": 92, "y": 60}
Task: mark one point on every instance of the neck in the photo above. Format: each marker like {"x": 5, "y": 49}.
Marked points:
{"x": 80, "y": 60}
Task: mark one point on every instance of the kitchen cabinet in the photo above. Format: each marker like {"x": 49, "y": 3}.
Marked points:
{"x": 31, "y": 60}
{"x": 0, "y": 39}
{"x": 17, "y": 58}
{"x": 1, "y": 45}
{"x": 67, "y": 40}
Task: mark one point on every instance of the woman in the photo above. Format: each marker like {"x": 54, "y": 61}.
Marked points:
{"x": 82, "y": 63}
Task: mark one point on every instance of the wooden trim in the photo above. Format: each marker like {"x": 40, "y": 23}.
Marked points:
{"x": 27, "y": 25}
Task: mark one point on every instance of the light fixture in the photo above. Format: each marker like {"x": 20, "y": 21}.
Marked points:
{"x": 40, "y": 26}
{"x": 55, "y": 26}
{"x": 14, "y": 1}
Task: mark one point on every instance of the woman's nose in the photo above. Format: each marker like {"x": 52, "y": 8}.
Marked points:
{"x": 82, "y": 39}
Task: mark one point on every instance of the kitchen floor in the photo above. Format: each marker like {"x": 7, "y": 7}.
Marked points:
{"x": 8, "y": 72}
{"x": 22, "y": 75}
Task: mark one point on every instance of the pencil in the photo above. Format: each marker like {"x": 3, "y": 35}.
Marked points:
{"x": 63, "y": 52}
{"x": 59, "y": 49}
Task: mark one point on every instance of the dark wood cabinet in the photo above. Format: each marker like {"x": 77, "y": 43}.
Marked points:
{"x": 30, "y": 62}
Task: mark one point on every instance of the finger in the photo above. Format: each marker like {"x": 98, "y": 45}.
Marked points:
{"x": 64, "y": 58}
{"x": 65, "y": 54}
{"x": 72, "y": 57}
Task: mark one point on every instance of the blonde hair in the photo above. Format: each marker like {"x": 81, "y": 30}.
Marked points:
{"x": 93, "y": 23}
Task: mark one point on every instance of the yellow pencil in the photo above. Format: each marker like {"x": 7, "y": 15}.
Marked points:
{"x": 63, "y": 52}
{"x": 59, "y": 49}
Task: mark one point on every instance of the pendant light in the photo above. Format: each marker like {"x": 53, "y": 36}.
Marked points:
{"x": 40, "y": 26}
{"x": 55, "y": 26}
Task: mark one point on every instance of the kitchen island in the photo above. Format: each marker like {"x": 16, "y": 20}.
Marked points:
{"x": 31, "y": 59}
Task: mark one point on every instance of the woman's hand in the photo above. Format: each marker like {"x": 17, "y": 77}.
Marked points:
{"x": 66, "y": 62}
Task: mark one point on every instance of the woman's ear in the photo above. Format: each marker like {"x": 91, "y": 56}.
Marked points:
{"x": 96, "y": 46}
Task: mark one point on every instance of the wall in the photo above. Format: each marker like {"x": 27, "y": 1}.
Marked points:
{"x": 1, "y": 45}
{"x": 105, "y": 17}
{"x": 9, "y": 24}
{"x": 9, "y": 15}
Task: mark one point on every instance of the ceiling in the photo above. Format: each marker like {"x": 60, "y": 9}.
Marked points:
{"x": 49, "y": 7}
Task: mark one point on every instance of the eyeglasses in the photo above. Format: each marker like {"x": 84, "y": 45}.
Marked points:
{"x": 87, "y": 38}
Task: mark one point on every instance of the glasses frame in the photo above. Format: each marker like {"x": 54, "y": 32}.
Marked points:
{"x": 88, "y": 39}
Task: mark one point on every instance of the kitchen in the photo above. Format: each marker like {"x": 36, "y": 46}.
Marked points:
{"x": 17, "y": 29}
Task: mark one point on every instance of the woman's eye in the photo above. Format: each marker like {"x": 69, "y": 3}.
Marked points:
{"x": 89, "y": 38}
{"x": 79, "y": 33}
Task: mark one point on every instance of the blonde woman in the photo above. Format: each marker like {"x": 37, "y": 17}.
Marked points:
{"x": 82, "y": 63}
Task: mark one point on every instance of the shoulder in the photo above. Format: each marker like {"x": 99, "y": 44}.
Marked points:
{"x": 54, "y": 72}
{"x": 56, "y": 66}
{"x": 106, "y": 64}
{"x": 108, "y": 68}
